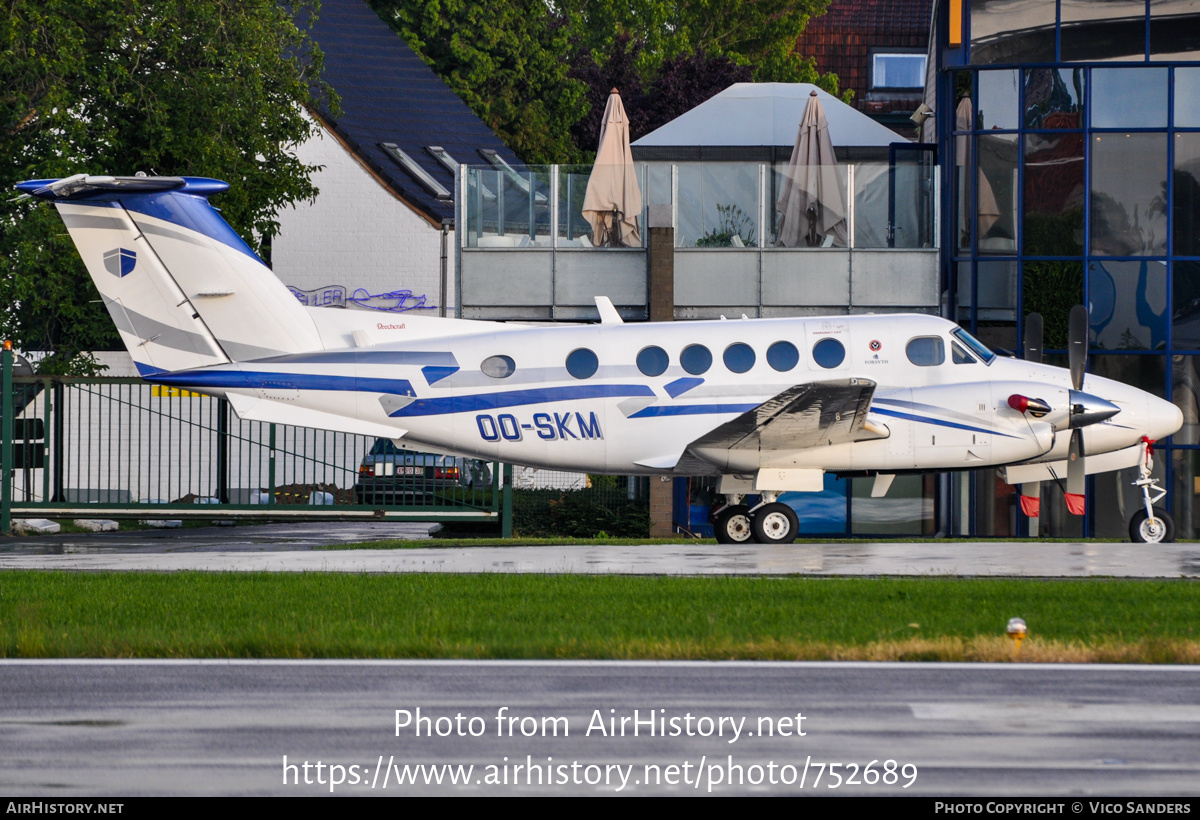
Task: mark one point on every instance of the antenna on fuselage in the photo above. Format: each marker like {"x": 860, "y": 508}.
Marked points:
{"x": 608, "y": 313}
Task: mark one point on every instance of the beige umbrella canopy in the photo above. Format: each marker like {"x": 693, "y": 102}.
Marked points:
{"x": 613, "y": 197}
{"x": 812, "y": 200}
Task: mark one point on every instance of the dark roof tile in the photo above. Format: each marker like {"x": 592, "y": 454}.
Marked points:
{"x": 388, "y": 94}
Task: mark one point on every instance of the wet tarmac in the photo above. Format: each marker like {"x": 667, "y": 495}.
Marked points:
{"x": 313, "y": 548}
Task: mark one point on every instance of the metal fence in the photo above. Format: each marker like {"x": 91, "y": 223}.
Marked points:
{"x": 121, "y": 448}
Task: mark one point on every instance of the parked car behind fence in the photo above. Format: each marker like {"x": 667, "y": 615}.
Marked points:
{"x": 389, "y": 475}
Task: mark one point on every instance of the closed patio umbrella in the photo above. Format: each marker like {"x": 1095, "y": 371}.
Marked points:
{"x": 613, "y": 197}
{"x": 812, "y": 199}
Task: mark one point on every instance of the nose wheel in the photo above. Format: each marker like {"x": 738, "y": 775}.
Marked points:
{"x": 1158, "y": 528}
{"x": 1151, "y": 524}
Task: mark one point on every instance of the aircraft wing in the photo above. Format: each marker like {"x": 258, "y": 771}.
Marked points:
{"x": 804, "y": 415}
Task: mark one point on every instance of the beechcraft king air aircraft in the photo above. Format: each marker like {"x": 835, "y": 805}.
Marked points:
{"x": 769, "y": 405}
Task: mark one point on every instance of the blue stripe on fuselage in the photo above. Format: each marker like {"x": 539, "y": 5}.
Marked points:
{"x": 939, "y": 422}
{"x": 691, "y": 410}
{"x": 514, "y": 398}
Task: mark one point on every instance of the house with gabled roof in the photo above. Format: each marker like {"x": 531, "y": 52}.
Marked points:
{"x": 878, "y": 50}
{"x": 380, "y": 234}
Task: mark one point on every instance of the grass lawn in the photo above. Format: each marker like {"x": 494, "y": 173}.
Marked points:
{"x": 287, "y": 615}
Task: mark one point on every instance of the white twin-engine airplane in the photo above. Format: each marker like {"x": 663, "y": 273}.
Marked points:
{"x": 769, "y": 405}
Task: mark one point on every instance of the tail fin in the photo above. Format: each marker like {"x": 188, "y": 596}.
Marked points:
{"x": 183, "y": 288}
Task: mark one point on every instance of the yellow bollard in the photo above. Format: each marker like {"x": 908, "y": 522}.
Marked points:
{"x": 1016, "y": 631}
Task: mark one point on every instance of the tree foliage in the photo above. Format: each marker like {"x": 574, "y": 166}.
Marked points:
{"x": 681, "y": 84}
{"x": 174, "y": 87}
{"x": 760, "y": 34}
{"x": 538, "y": 72}
{"x": 507, "y": 59}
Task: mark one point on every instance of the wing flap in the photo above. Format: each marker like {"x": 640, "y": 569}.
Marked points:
{"x": 804, "y": 415}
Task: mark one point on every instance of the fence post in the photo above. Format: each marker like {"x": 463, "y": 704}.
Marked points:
{"x": 58, "y": 409}
{"x": 6, "y": 437}
{"x": 271, "y": 467}
{"x": 506, "y": 511}
{"x": 223, "y": 450}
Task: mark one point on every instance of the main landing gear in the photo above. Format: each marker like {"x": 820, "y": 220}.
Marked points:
{"x": 1151, "y": 524}
{"x": 770, "y": 522}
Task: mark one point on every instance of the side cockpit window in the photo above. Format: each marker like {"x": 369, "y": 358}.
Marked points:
{"x": 960, "y": 356}
{"x": 926, "y": 351}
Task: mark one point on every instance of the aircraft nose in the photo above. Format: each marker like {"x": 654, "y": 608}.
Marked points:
{"x": 1165, "y": 418}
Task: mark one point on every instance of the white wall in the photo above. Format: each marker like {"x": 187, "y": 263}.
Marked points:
{"x": 357, "y": 234}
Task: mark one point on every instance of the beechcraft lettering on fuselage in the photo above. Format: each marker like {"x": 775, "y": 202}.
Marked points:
{"x": 766, "y": 405}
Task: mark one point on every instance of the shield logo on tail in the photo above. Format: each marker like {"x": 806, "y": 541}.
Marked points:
{"x": 119, "y": 261}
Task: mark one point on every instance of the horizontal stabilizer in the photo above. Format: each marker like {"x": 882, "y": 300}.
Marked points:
{"x": 250, "y": 408}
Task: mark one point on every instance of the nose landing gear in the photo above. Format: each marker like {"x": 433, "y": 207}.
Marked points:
{"x": 1150, "y": 525}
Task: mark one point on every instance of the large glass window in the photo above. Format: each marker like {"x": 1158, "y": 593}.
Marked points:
{"x": 1054, "y": 97}
{"x": 1128, "y": 302}
{"x": 1145, "y": 372}
{"x": 1129, "y": 183}
{"x": 1012, "y": 31}
{"x": 999, "y": 93}
{"x": 1187, "y": 97}
{"x": 1186, "y": 466}
{"x": 1185, "y": 306}
{"x": 996, "y": 302}
{"x": 1129, "y": 98}
{"x": 1052, "y": 288}
{"x": 1185, "y": 392}
{"x": 1174, "y": 25}
{"x": 996, "y": 204}
{"x": 907, "y": 509}
{"x": 1109, "y": 30}
{"x": 1054, "y": 194}
{"x": 1185, "y": 216}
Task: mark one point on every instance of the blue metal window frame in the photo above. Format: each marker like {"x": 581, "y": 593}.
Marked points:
{"x": 950, "y": 60}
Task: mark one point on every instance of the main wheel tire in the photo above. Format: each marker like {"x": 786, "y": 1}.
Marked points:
{"x": 732, "y": 525}
{"x": 1157, "y": 530}
{"x": 775, "y": 524}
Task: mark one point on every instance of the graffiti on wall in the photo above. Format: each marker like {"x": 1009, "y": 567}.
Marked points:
{"x": 393, "y": 301}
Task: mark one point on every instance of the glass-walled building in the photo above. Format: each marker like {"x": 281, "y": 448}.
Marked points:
{"x": 1069, "y": 142}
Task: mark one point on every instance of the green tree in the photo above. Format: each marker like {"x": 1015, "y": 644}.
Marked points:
{"x": 507, "y": 60}
{"x": 760, "y": 34}
{"x": 174, "y": 87}
{"x": 520, "y": 64}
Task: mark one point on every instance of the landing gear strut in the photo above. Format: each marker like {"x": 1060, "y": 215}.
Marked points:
{"x": 770, "y": 522}
{"x": 1151, "y": 524}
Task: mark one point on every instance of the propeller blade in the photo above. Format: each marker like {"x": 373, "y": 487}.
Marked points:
{"x": 1076, "y": 474}
{"x": 1077, "y": 345}
{"x": 1033, "y": 338}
